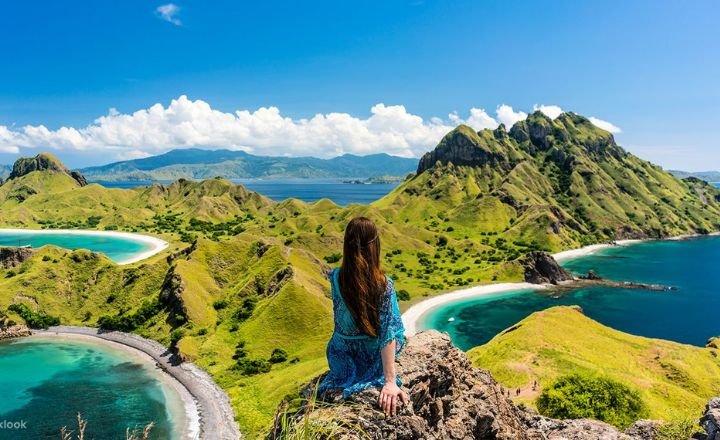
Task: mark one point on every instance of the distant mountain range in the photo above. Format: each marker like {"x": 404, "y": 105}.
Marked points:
{"x": 194, "y": 163}
{"x": 708, "y": 176}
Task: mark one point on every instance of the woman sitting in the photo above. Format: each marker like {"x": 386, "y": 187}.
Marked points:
{"x": 368, "y": 332}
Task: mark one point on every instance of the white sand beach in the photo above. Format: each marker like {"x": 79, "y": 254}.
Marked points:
{"x": 156, "y": 244}
{"x": 587, "y": 250}
{"x": 412, "y": 315}
{"x": 207, "y": 410}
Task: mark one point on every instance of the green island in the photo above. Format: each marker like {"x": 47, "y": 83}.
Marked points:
{"x": 242, "y": 290}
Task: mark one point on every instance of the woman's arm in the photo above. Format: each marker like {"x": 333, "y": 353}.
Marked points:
{"x": 390, "y": 393}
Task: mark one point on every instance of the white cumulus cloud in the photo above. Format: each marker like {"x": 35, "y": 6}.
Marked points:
{"x": 551, "y": 111}
{"x": 605, "y": 125}
{"x": 188, "y": 123}
{"x": 506, "y": 115}
{"x": 169, "y": 13}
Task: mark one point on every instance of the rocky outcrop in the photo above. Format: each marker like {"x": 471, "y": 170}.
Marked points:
{"x": 14, "y": 331}
{"x": 464, "y": 146}
{"x": 13, "y": 256}
{"x": 541, "y": 268}
{"x": 171, "y": 296}
{"x": 449, "y": 399}
{"x": 43, "y": 162}
{"x": 79, "y": 178}
{"x": 710, "y": 421}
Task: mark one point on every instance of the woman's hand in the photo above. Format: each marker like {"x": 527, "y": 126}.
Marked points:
{"x": 389, "y": 397}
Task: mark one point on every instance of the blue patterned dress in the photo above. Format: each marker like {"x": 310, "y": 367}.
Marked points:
{"x": 353, "y": 357}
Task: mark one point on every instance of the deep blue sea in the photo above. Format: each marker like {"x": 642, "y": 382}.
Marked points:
{"x": 114, "y": 247}
{"x": 308, "y": 190}
{"x": 689, "y": 315}
{"x": 45, "y": 382}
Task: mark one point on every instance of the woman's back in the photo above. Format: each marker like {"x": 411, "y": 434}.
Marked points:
{"x": 353, "y": 356}
{"x": 368, "y": 332}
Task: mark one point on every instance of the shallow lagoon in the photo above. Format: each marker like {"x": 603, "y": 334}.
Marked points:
{"x": 119, "y": 247}
{"x": 46, "y": 381}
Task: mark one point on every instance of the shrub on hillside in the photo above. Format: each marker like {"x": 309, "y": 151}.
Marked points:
{"x": 34, "y": 319}
{"x": 251, "y": 367}
{"x": 278, "y": 355}
{"x": 332, "y": 258}
{"x": 577, "y": 396}
{"x": 130, "y": 321}
{"x": 403, "y": 295}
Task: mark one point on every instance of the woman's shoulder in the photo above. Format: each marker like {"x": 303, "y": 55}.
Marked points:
{"x": 389, "y": 285}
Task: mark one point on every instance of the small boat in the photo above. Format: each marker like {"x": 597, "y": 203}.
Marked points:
{"x": 451, "y": 319}
{"x": 556, "y": 297}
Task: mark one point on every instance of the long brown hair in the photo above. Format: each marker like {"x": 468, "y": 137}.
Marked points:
{"x": 362, "y": 282}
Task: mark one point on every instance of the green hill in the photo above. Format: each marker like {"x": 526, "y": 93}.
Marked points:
{"x": 674, "y": 380}
{"x": 244, "y": 275}
{"x": 194, "y": 163}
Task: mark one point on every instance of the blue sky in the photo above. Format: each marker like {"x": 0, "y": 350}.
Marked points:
{"x": 650, "y": 68}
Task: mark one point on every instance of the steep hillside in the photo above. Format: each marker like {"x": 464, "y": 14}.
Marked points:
{"x": 675, "y": 380}
{"x": 551, "y": 184}
{"x": 210, "y": 299}
{"x": 195, "y": 163}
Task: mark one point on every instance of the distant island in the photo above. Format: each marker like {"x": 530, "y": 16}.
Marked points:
{"x": 379, "y": 180}
{"x": 197, "y": 164}
{"x": 708, "y": 176}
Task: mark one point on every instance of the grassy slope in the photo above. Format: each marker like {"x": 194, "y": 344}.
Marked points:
{"x": 675, "y": 380}
{"x": 489, "y": 216}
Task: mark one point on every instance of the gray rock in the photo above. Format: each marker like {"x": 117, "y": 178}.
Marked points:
{"x": 646, "y": 429}
{"x": 710, "y": 421}
{"x": 13, "y": 256}
{"x": 541, "y": 268}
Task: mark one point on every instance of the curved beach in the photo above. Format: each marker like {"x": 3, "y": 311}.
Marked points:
{"x": 157, "y": 245}
{"x": 207, "y": 407}
{"x": 412, "y": 315}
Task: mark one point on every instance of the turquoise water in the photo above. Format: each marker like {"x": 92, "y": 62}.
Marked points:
{"x": 688, "y": 315}
{"x": 46, "y": 382}
{"x": 115, "y": 248}
{"x": 308, "y": 190}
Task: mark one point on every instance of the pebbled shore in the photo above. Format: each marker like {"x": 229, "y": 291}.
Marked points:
{"x": 216, "y": 418}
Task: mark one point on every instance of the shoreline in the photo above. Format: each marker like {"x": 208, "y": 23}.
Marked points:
{"x": 207, "y": 406}
{"x": 411, "y": 317}
{"x": 157, "y": 245}
{"x": 190, "y": 415}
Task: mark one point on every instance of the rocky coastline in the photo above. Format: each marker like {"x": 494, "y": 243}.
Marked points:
{"x": 14, "y": 331}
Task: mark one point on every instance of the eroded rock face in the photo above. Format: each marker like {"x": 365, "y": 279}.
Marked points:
{"x": 13, "y": 256}
{"x": 463, "y": 146}
{"x": 449, "y": 399}
{"x": 710, "y": 421}
{"x": 43, "y": 162}
{"x": 541, "y": 268}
